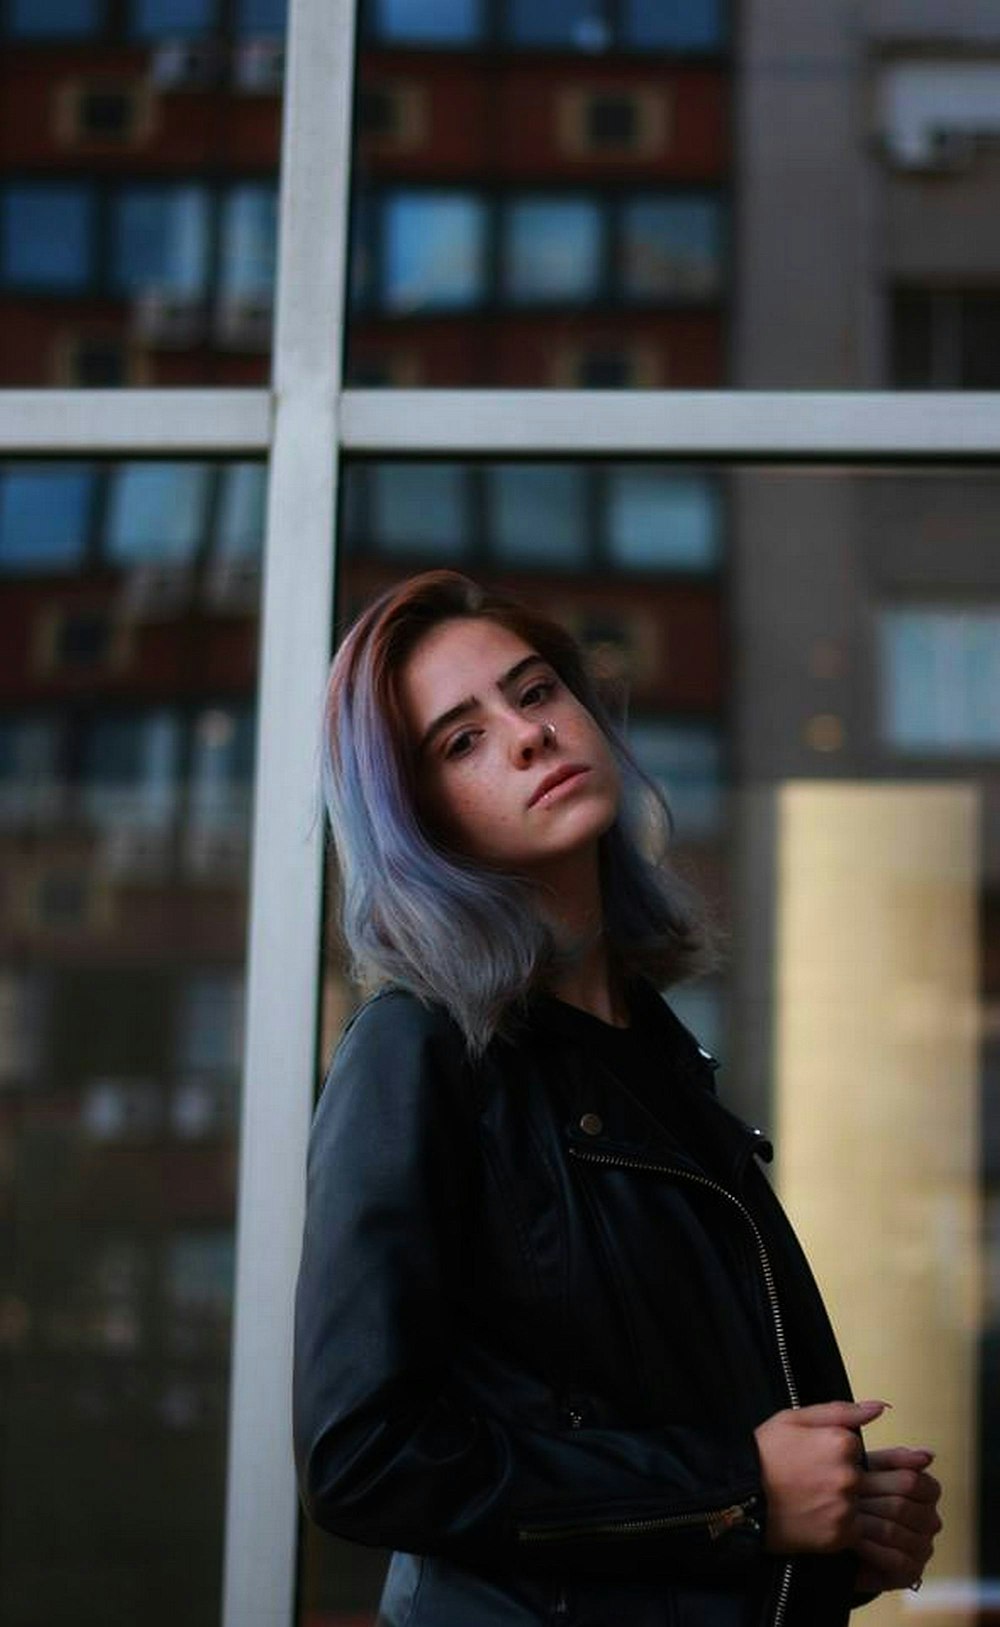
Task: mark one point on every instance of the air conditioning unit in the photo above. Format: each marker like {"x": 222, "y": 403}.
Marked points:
{"x": 935, "y": 115}
{"x": 243, "y": 321}
{"x": 185, "y": 65}
{"x": 259, "y": 66}
{"x": 232, "y": 586}
{"x": 175, "y": 321}
{"x": 933, "y": 150}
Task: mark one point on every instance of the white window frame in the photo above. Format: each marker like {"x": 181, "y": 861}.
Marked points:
{"x": 301, "y": 425}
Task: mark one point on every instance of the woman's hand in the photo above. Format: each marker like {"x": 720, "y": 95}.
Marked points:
{"x": 811, "y": 1466}
{"x": 896, "y": 1519}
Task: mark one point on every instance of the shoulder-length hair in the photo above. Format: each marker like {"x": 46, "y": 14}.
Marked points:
{"x": 417, "y": 914}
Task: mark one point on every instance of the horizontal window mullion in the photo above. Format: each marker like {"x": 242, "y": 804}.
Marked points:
{"x": 803, "y": 425}
{"x": 118, "y": 422}
{"x": 770, "y": 425}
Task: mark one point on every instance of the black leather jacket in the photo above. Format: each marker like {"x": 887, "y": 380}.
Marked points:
{"x": 520, "y": 1359}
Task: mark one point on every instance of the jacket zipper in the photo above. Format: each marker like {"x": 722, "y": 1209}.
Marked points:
{"x": 623, "y": 1161}
{"x": 716, "y": 1520}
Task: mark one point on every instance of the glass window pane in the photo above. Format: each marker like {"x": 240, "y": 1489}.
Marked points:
{"x": 47, "y": 236}
{"x": 31, "y": 790}
{"x": 686, "y": 762}
{"x": 262, "y": 16}
{"x": 161, "y": 241}
{"x": 123, "y": 931}
{"x": 130, "y": 768}
{"x": 210, "y": 1022}
{"x": 419, "y": 509}
{"x": 165, "y": 19}
{"x": 674, "y": 25}
{"x": 672, "y": 248}
{"x": 662, "y": 521}
{"x": 240, "y": 522}
{"x": 811, "y": 663}
{"x": 537, "y": 513}
{"x": 44, "y": 516}
{"x": 580, "y": 24}
{"x": 249, "y": 241}
{"x": 434, "y": 251}
{"x": 156, "y": 511}
{"x": 40, "y": 19}
{"x": 552, "y": 249}
{"x": 437, "y": 22}
{"x": 941, "y": 680}
{"x": 222, "y": 769}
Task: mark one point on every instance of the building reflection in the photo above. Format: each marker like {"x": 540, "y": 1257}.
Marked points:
{"x": 588, "y": 195}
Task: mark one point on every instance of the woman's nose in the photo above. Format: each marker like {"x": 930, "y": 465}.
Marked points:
{"x": 530, "y": 739}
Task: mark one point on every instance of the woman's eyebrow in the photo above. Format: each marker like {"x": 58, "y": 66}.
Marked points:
{"x": 469, "y": 704}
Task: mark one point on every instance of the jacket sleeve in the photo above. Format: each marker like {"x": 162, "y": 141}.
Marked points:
{"x": 387, "y": 1451}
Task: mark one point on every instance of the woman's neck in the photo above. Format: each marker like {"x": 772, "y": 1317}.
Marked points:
{"x": 589, "y": 985}
{"x": 576, "y": 912}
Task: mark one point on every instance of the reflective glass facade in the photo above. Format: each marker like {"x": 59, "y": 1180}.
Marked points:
{"x": 126, "y": 771}
{"x": 586, "y": 197}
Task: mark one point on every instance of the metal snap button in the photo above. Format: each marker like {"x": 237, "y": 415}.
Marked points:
{"x": 591, "y": 1125}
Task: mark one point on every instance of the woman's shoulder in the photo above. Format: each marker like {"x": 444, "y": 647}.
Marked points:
{"x": 393, "y": 1014}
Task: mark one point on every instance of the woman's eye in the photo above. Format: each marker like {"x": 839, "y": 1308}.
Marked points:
{"x": 538, "y": 691}
{"x": 460, "y": 744}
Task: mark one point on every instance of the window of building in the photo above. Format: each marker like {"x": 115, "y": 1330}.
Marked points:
{"x": 106, "y": 113}
{"x": 946, "y": 339}
{"x": 130, "y": 766}
{"x": 200, "y": 1269}
{"x": 934, "y": 111}
{"x": 538, "y": 514}
{"x": 419, "y": 509}
{"x": 249, "y": 240}
{"x": 47, "y": 235}
{"x": 940, "y": 677}
{"x": 54, "y": 19}
{"x": 686, "y": 761}
{"x": 664, "y": 521}
{"x": 428, "y": 22}
{"x": 160, "y": 240}
{"x": 672, "y": 247}
{"x": 581, "y": 24}
{"x": 97, "y": 362}
{"x": 25, "y": 1018}
{"x": 30, "y": 782}
{"x": 674, "y": 25}
{"x": 434, "y": 251}
{"x": 45, "y": 516}
{"x": 262, "y": 16}
{"x": 378, "y": 111}
{"x": 222, "y": 756}
{"x": 209, "y": 1028}
{"x": 156, "y": 511}
{"x": 239, "y": 526}
{"x": 82, "y": 638}
{"x": 604, "y": 369}
{"x": 171, "y": 19}
{"x": 552, "y": 249}
{"x": 611, "y": 123}
{"x": 119, "y": 1109}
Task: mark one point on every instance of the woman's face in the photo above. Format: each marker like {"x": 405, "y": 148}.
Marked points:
{"x": 511, "y": 768}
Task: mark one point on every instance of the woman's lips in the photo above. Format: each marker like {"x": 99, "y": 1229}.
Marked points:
{"x": 556, "y": 780}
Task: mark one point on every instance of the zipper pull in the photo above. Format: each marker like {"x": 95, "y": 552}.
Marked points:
{"x": 728, "y": 1518}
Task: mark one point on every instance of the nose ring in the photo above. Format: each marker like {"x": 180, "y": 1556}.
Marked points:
{"x": 549, "y": 731}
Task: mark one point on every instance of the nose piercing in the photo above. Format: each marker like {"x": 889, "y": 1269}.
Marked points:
{"x": 549, "y": 731}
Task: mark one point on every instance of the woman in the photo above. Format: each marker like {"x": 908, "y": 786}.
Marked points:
{"x": 556, "y": 1344}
